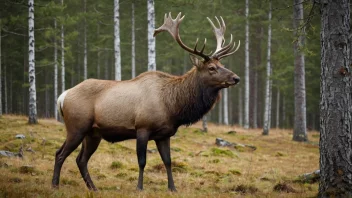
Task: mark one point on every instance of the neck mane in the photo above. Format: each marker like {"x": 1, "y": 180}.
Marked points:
{"x": 188, "y": 99}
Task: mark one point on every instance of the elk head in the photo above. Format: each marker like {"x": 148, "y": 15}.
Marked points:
{"x": 212, "y": 72}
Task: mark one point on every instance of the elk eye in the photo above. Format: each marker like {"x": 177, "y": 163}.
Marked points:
{"x": 212, "y": 69}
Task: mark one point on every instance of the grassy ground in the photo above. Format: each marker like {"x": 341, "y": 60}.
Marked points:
{"x": 200, "y": 168}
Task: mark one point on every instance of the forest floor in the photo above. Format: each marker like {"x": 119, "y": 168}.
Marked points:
{"x": 200, "y": 167}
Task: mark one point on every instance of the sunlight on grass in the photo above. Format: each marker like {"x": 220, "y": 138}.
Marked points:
{"x": 200, "y": 168}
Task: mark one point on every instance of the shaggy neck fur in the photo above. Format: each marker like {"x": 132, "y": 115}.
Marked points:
{"x": 188, "y": 98}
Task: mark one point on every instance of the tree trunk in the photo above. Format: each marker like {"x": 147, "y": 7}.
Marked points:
{"x": 5, "y": 88}
{"x": 32, "y": 110}
{"x": 240, "y": 107}
{"x": 205, "y": 124}
{"x": 336, "y": 100}
{"x": 246, "y": 72}
{"x": 85, "y": 67}
{"x": 62, "y": 55}
{"x": 55, "y": 73}
{"x": 0, "y": 72}
{"x": 220, "y": 108}
{"x": 266, "y": 125}
{"x": 226, "y": 107}
{"x": 300, "y": 125}
{"x": 133, "y": 47}
{"x": 278, "y": 109}
{"x": 117, "y": 41}
{"x": 270, "y": 98}
{"x": 151, "y": 38}
{"x": 106, "y": 69}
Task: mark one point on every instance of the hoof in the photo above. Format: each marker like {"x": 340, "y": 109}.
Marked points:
{"x": 173, "y": 189}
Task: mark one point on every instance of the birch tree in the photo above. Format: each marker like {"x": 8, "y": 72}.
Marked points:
{"x": 133, "y": 41}
{"x": 336, "y": 100}
{"x": 55, "y": 72}
{"x": 62, "y": 55}
{"x": 240, "y": 107}
{"x": 151, "y": 39}
{"x": 117, "y": 40}
{"x": 267, "y": 109}
{"x": 32, "y": 110}
{"x": 246, "y": 71}
{"x": 300, "y": 125}
{"x": 226, "y": 107}
{"x": 85, "y": 67}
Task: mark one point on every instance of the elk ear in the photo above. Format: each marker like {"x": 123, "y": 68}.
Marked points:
{"x": 195, "y": 61}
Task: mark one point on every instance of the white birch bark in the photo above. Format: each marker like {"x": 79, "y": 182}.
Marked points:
{"x": 117, "y": 41}
{"x": 62, "y": 56}
{"x": 300, "y": 122}
{"x": 278, "y": 109}
{"x": 266, "y": 124}
{"x": 55, "y": 72}
{"x": 246, "y": 71}
{"x": 226, "y": 107}
{"x": 133, "y": 49}
{"x": 32, "y": 110}
{"x": 283, "y": 111}
{"x": 151, "y": 39}
{"x": 204, "y": 123}
{"x": 85, "y": 44}
{"x": 220, "y": 108}
{"x": 270, "y": 98}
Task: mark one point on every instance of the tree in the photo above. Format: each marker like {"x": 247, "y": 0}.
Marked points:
{"x": 133, "y": 43}
{"x": 31, "y": 69}
{"x": 299, "y": 131}
{"x": 246, "y": 75}
{"x": 151, "y": 39}
{"x": 267, "y": 108}
{"x": 85, "y": 66}
{"x": 226, "y": 107}
{"x": 117, "y": 41}
{"x": 62, "y": 55}
{"x": 0, "y": 71}
{"x": 336, "y": 100}
{"x": 55, "y": 72}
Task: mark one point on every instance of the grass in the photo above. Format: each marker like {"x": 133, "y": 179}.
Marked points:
{"x": 200, "y": 168}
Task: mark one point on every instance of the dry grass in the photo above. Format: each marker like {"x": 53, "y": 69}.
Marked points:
{"x": 200, "y": 168}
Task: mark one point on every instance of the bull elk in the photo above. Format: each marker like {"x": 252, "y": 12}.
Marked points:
{"x": 149, "y": 107}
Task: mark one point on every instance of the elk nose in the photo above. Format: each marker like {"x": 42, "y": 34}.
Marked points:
{"x": 236, "y": 79}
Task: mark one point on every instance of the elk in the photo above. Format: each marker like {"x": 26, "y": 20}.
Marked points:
{"x": 149, "y": 107}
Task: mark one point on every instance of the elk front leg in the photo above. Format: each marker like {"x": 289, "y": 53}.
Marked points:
{"x": 142, "y": 143}
{"x": 164, "y": 151}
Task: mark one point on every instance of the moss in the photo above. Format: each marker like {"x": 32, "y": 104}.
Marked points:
{"x": 214, "y": 161}
{"x": 116, "y": 165}
{"x": 221, "y": 152}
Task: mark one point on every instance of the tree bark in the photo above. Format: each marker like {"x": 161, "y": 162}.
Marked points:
{"x": 98, "y": 53}
{"x": 246, "y": 71}
{"x": 55, "y": 73}
{"x": 85, "y": 67}
{"x": 240, "y": 107}
{"x": 266, "y": 124}
{"x": 226, "y": 107}
{"x": 205, "y": 124}
{"x": 32, "y": 110}
{"x": 336, "y": 100}
{"x": 300, "y": 123}
{"x": 133, "y": 47}
{"x": 117, "y": 40}
{"x": 278, "y": 109}
{"x": 0, "y": 71}
{"x": 62, "y": 55}
{"x": 151, "y": 39}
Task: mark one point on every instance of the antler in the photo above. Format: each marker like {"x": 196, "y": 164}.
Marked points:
{"x": 222, "y": 51}
{"x": 172, "y": 26}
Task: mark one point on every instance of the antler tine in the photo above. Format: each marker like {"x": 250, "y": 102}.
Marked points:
{"x": 230, "y": 53}
{"x": 205, "y": 42}
{"x": 172, "y": 26}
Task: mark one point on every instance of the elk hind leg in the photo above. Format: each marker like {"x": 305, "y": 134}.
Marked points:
{"x": 89, "y": 146}
{"x": 71, "y": 143}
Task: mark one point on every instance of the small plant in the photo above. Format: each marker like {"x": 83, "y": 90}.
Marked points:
{"x": 116, "y": 165}
{"x": 221, "y": 152}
